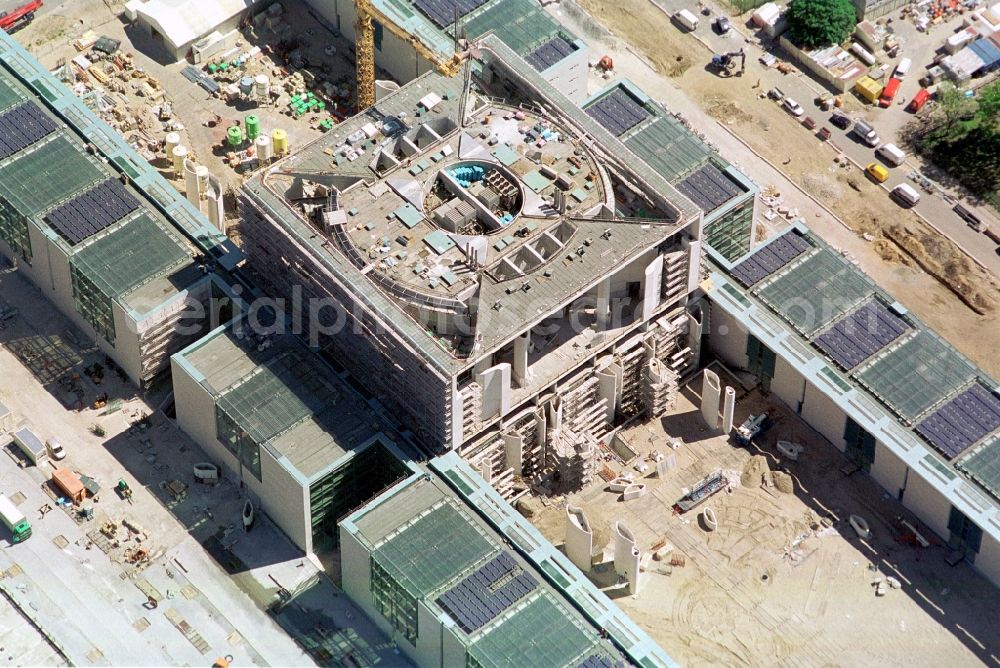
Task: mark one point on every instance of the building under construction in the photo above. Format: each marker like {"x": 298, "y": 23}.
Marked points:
{"x": 511, "y": 279}
{"x": 429, "y": 32}
{"x": 94, "y": 226}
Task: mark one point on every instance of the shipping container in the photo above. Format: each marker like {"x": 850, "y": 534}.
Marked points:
{"x": 69, "y": 484}
{"x": 868, "y": 89}
{"x": 30, "y": 445}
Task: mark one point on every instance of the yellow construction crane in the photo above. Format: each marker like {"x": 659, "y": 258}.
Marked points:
{"x": 364, "y": 51}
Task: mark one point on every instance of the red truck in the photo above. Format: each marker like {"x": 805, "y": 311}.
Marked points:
{"x": 919, "y": 100}
{"x": 19, "y": 17}
{"x": 889, "y": 92}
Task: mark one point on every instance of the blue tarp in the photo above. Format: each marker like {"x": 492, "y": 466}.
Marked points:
{"x": 988, "y": 52}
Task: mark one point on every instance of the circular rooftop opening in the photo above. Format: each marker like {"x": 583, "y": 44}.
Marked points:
{"x": 474, "y": 197}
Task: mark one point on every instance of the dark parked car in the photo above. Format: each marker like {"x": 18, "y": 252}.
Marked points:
{"x": 722, "y": 25}
{"x": 972, "y": 219}
{"x": 841, "y": 121}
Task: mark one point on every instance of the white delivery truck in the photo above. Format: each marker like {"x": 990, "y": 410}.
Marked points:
{"x": 686, "y": 19}
{"x": 891, "y": 153}
{"x": 902, "y": 68}
{"x": 30, "y": 445}
{"x": 14, "y": 520}
{"x": 866, "y": 133}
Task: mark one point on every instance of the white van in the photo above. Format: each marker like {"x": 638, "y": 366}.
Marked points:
{"x": 902, "y": 68}
{"x": 905, "y": 194}
{"x": 687, "y": 19}
{"x": 891, "y": 153}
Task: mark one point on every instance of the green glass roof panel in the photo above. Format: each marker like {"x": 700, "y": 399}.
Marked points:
{"x": 38, "y": 178}
{"x": 917, "y": 374}
{"x": 522, "y": 24}
{"x": 433, "y": 549}
{"x": 814, "y": 293}
{"x": 8, "y": 95}
{"x": 541, "y": 633}
{"x": 130, "y": 255}
{"x": 669, "y": 148}
{"x": 983, "y": 466}
{"x": 283, "y": 392}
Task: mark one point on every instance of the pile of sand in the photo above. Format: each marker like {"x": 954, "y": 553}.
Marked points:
{"x": 783, "y": 482}
{"x": 754, "y": 471}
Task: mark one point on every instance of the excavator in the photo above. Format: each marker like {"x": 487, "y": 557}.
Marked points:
{"x": 726, "y": 63}
{"x": 19, "y": 17}
{"x": 364, "y": 51}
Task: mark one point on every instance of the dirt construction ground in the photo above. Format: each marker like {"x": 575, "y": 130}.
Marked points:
{"x": 784, "y": 579}
{"x": 920, "y": 267}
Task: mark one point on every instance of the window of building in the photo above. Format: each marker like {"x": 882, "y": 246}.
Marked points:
{"x": 760, "y": 361}
{"x": 378, "y": 30}
{"x": 238, "y": 442}
{"x": 859, "y": 445}
{"x": 965, "y": 535}
{"x": 394, "y": 603}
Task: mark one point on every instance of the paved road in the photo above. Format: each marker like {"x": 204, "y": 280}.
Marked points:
{"x": 887, "y": 122}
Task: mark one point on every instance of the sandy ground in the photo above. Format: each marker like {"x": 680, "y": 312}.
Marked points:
{"x": 774, "y": 584}
{"x": 903, "y": 256}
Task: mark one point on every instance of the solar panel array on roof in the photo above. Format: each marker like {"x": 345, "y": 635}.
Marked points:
{"x": 962, "y": 421}
{"x": 550, "y": 53}
{"x": 770, "y": 258}
{"x": 444, "y": 12}
{"x": 21, "y": 127}
{"x": 983, "y": 466}
{"x": 709, "y": 188}
{"x": 618, "y": 112}
{"x": 486, "y": 593}
{"x": 92, "y": 211}
{"x": 859, "y": 335}
{"x": 599, "y": 661}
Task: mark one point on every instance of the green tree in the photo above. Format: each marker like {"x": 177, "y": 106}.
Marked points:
{"x": 813, "y": 23}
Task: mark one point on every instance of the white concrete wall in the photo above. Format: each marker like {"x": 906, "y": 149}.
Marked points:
{"x": 396, "y": 57}
{"x": 727, "y": 338}
{"x": 356, "y": 574}
{"x": 928, "y": 504}
{"x": 286, "y": 501}
{"x": 195, "y": 409}
{"x": 888, "y": 470}
{"x": 787, "y": 384}
{"x": 988, "y": 559}
{"x": 569, "y": 76}
{"x": 824, "y": 416}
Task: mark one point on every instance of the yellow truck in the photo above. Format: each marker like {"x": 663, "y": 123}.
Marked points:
{"x": 869, "y": 89}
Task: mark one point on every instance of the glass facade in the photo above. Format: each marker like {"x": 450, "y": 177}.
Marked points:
{"x": 14, "y": 230}
{"x": 394, "y": 602}
{"x": 349, "y": 487}
{"x": 730, "y": 233}
{"x": 93, "y": 305}
{"x": 237, "y": 441}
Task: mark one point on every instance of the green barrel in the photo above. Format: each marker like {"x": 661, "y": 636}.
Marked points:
{"x": 253, "y": 127}
{"x": 235, "y": 136}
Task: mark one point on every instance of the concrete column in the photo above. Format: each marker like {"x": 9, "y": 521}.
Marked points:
{"x": 603, "y": 309}
{"x": 728, "y": 407}
{"x": 495, "y": 382}
{"x": 521, "y": 344}
{"x": 652, "y": 284}
{"x": 579, "y": 538}
{"x": 514, "y": 452}
{"x": 610, "y": 389}
{"x": 710, "y": 390}
{"x": 191, "y": 183}
{"x": 486, "y": 470}
{"x": 626, "y": 556}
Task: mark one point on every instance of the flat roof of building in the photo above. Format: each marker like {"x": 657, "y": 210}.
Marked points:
{"x": 419, "y": 192}
{"x": 443, "y": 553}
{"x": 62, "y": 194}
{"x": 889, "y": 371}
{"x": 665, "y": 143}
{"x": 284, "y": 396}
{"x": 522, "y": 24}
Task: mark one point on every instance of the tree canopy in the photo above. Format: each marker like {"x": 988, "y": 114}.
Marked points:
{"x": 962, "y": 136}
{"x": 813, "y": 23}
